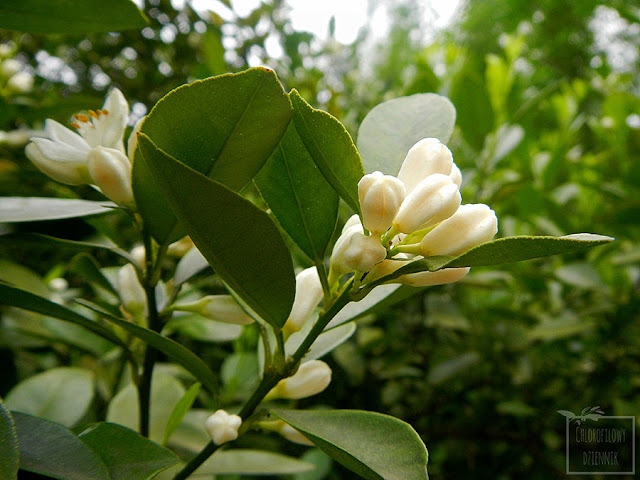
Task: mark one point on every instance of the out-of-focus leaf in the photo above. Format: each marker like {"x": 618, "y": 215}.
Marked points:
{"x": 224, "y": 127}
{"x": 321, "y": 462}
{"x": 50, "y": 449}
{"x": 239, "y": 240}
{"x": 553, "y": 329}
{"x": 331, "y": 148}
{"x": 71, "y": 16}
{"x": 390, "y": 129}
{"x": 581, "y": 275}
{"x": 305, "y": 205}
{"x": 180, "y": 410}
{"x": 372, "y": 445}
{"x": 86, "y": 266}
{"x": 61, "y": 395}
{"x": 126, "y": 454}
{"x": 251, "y": 462}
{"x": 447, "y": 369}
{"x": 31, "y": 209}
{"x": 9, "y": 455}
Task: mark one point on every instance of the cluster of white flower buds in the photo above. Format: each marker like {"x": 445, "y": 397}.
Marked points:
{"x": 94, "y": 155}
{"x": 14, "y": 74}
{"x": 418, "y": 214}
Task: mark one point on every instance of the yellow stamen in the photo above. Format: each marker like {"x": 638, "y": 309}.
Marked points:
{"x": 81, "y": 118}
{"x": 75, "y": 125}
{"x": 93, "y": 114}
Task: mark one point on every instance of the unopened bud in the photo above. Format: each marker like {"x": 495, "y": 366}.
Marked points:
{"x": 293, "y": 435}
{"x": 110, "y": 171}
{"x": 470, "y": 226}
{"x": 364, "y": 252}
{"x": 311, "y": 378}
{"x": 387, "y": 267}
{"x": 131, "y": 293}
{"x": 354, "y": 220}
{"x": 21, "y": 82}
{"x": 222, "y": 427}
{"x": 425, "y": 158}
{"x": 456, "y": 175}
{"x": 427, "y": 279}
{"x": 380, "y": 198}
{"x": 222, "y": 308}
{"x": 308, "y": 295}
{"x": 10, "y": 67}
{"x": 435, "y": 198}
{"x": 338, "y": 263}
{"x": 132, "y": 142}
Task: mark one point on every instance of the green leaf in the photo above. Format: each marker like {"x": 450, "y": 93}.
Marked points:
{"x": 252, "y": 462}
{"x": 50, "y": 449}
{"x": 390, "y": 129}
{"x": 62, "y": 395}
{"x": 32, "y": 209}
{"x": 180, "y": 410}
{"x": 166, "y": 392}
{"x": 321, "y": 462}
{"x": 331, "y": 147}
{"x": 177, "y": 352}
{"x": 239, "y": 240}
{"x": 508, "y": 250}
{"x": 86, "y": 266}
{"x": 374, "y": 446}
{"x": 203, "y": 329}
{"x": 224, "y": 127}
{"x": 305, "y": 205}
{"x": 19, "y": 298}
{"x": 126, "y": 454}
{"x": 9, "y": 456}
{"x": 71, "y": 16}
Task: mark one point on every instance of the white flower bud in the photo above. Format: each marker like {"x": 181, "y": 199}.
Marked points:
{"x": 6, "y": 49}
{"x": 380, "y": 198}
{"x": 338, "y": 264}
{"x": 434, "y": 199}
{"x": 110, "y": 171}
{"x": 10, "y": 67}
{"x": 354, "y": 220}
{"x": 293, "y": 435}
{"x": 425, "y": 158}
{"x": 221, "y": 308}
{"x": 132, "y": 142}
{"x": 387, "y": 267}
{"x": 427, "y": 279}
{"x": 308, "y": 295}
{"x": 311, "y": 378}
{"x": 139, "y": 255}
{"x": 364, "y": 252}
{"x": 131, "y": 293}
{"x": 456, "y": 175}
{"x": 21, "y": 82}
{"x": 223, "y": 427}
{"x": 471, "y": 225}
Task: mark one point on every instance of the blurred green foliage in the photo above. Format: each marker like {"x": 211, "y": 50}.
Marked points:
{"x": 548, "y": 134}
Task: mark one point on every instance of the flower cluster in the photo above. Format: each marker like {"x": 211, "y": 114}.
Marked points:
{"x": 14, "y": 74}
{"x": 416, "y": 215}
{"x": 94, "y": 155}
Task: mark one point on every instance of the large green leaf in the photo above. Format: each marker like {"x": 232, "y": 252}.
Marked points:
{"x": 224, "y": 127}
{"x": 70, "y": 16}
{"x": 31, "y": 209}
{"x": 508, "y": 250}
{"x": 373, "y": 445}
{"x": 305, "y": 205}
{"x": 126, "y": 454}
{"x": 61, "y": 395}
{"x": 331, "y": 147}
{"x": 9, "y": 456}
{"x": 252, "y": 462}
{"x": 177, "y": 352}
{"x": 390, "y": 129}
{"x": 239, "y": 240}
{"x": 28, "y": 301}
{"x": 50, "y": 449}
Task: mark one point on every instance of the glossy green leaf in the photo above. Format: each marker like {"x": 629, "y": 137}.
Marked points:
{"x": 50, "y": 449}
{"x": 32, "y": 209}
{"x": 126, "y": 454}
{"x": 239, "y": 240}
{"x": 305, "y": 205}
{"x": 71, "y": 16}
{"x": 177, "y": 352}
{"x": 372, "y": 445}
{"x": 224, "y": 127}
{"x": 62, "y": 395}
{"x": 180, "y": 410}
{"x": 9, "y": 456}
{"x": 390, "y": 129}
{"x": 19, "y": 298}
{"x": 508, "y": 250}
{"x": 252, "y": 462}
{"x": 86, "y": 266}
{"x": 331, "y": 147}
{"x": 166, "y": 392}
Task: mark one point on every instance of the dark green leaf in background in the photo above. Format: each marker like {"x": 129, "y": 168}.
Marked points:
{"x": 224, "y": 127}
{"x": 373, "y": 445}
{"x": 9, "y": 456}
{"x": 305, "y": 205}
{"x": 239, "y": 240}
{"x": 331, "y": 147}
{"x": 70, "y": 16}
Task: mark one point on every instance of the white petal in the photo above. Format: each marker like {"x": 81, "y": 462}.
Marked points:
{"x": 60, "y": 133}
{"x": 56, "y": 163}
{"x": 112, "y": 126}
